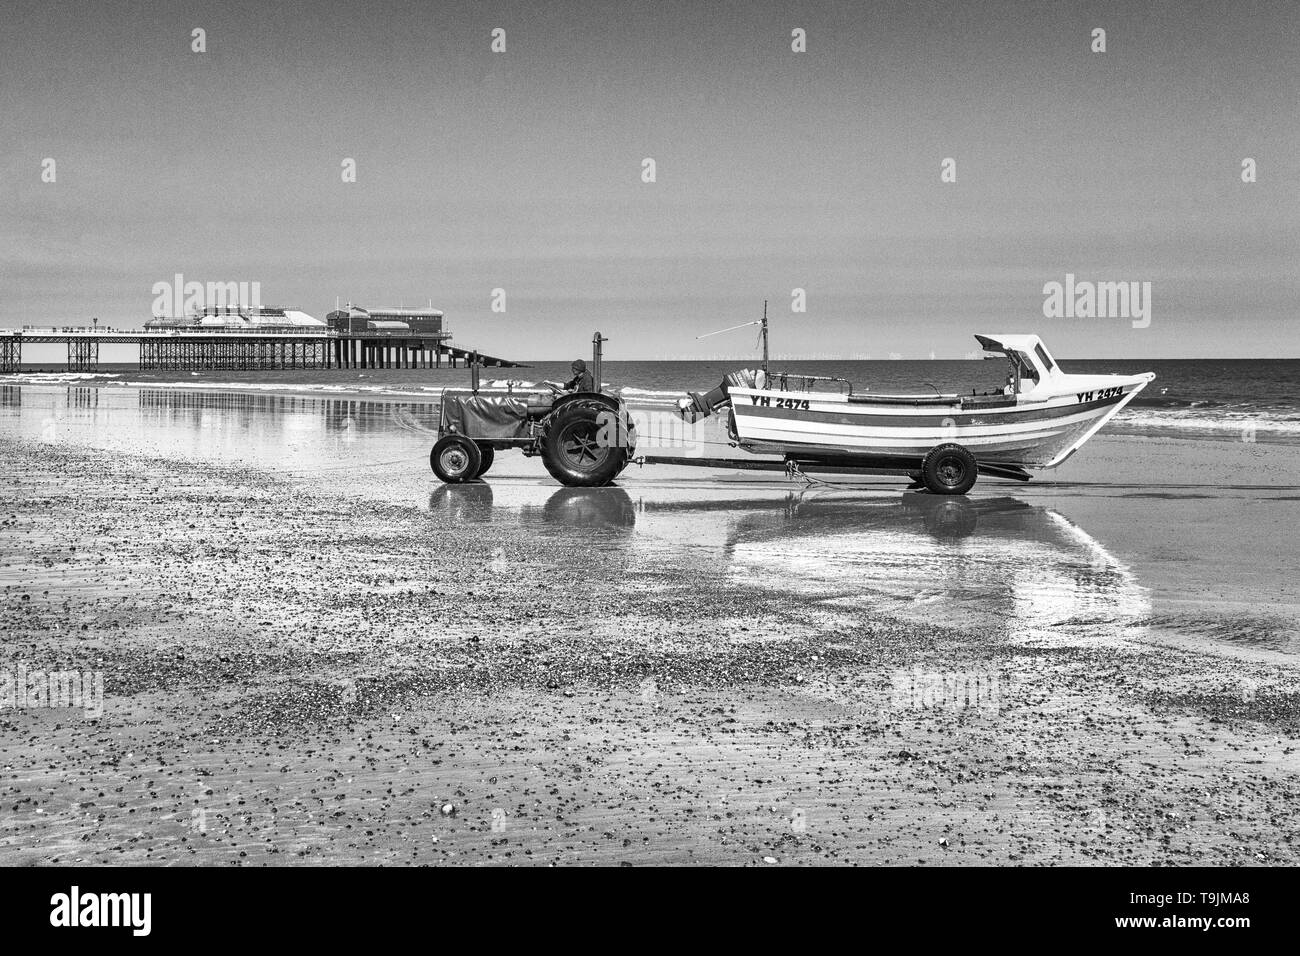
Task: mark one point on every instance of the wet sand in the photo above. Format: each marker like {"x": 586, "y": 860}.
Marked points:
{"x": 312, "y": 652}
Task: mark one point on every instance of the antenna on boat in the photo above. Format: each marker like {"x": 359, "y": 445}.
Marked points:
{"x": 744, "y": 325}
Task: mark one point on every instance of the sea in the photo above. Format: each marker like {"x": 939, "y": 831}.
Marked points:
{"x": 1231, "y": 399}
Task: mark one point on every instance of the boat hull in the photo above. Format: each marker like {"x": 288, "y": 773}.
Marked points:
{"x": 1039, "y": 433}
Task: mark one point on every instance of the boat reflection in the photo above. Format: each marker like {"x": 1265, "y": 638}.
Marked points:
{"x": 989, "y": 561}
{"x": 946, "y": 518}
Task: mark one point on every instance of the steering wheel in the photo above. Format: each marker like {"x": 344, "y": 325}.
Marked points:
{"x": 555, "y": 387}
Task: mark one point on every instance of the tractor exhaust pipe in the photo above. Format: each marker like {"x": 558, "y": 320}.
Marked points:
{"x": 596, "y": 340}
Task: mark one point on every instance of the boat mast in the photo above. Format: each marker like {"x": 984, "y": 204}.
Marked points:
{"x": 762, "y": 323}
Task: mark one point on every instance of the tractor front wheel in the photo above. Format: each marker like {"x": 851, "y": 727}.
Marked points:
{"x": 456, "y": 459}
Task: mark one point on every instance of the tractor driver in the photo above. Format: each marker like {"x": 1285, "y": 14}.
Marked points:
{"x": 581, "y": 381}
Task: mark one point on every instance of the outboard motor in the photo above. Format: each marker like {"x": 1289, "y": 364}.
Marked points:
{"x": 701, "y": 405}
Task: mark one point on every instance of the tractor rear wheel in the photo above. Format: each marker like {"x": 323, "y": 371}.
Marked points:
{"x": 455, "y": 459}
{"x": 575, "y": 451}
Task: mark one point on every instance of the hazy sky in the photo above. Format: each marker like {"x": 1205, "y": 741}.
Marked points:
{"x": 775, "y": 170}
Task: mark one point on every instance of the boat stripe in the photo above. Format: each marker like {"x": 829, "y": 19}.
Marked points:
{"x": 841, "y": 432}
{"x": 952, "y": 428}
{"x": 929, "y": 419}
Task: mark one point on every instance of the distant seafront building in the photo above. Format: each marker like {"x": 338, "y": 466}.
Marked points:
{"x": 243, "y": 319}
{"x": 355, "y": 319}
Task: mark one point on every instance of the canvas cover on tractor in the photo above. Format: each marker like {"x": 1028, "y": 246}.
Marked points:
{"x": 485, "y": 417}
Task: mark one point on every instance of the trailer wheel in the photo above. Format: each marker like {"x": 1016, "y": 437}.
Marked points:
{"x": 455, "y": 459}
{"x": 949, "y": 470}
{"x": 488, "y": 454}
{"x": 573, "y": 452}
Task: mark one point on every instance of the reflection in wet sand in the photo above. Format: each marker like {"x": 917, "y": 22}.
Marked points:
{"x": 610, "y": 507}
{"x": 471, "y": 501}
{"x": 578, "y": 508}
{"x": 993, "y": 562}
{"x": 241, "y": 410}
{"x": 998, "y": 562}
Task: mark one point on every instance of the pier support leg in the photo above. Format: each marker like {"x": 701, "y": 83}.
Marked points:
{"x": 11, "y": 354}
{"x": 83, "y": 355}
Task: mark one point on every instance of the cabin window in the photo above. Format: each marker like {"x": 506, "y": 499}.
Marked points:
{"x": 1042, "y": 354}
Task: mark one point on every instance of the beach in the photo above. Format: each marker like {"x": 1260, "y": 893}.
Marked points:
{"x": 311, "y": 651}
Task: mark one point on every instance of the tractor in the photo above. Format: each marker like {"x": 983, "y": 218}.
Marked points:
{"x": 585, "y": 439}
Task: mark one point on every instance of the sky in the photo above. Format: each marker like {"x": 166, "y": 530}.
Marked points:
{"x": 775, "y": 170}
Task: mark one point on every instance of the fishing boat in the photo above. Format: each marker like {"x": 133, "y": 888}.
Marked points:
{"x": 1035, "y": 419}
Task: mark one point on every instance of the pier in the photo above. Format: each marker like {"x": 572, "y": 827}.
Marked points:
{"x": 186, "y": 350}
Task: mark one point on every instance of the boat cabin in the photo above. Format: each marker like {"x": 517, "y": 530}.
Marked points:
{"x": 1029, "y": 365}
